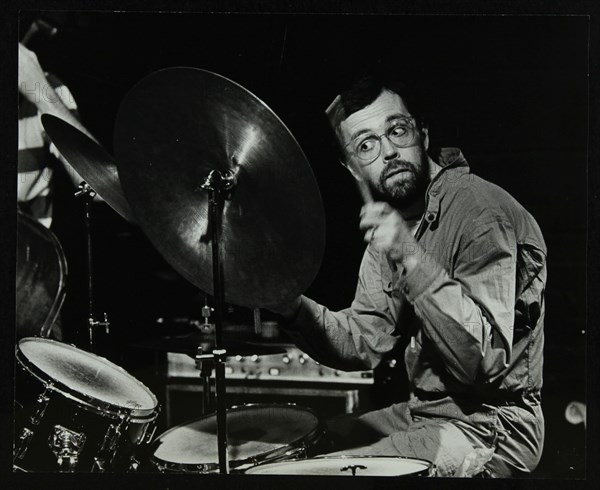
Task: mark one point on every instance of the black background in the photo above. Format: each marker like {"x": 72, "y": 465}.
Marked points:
{"x": 511, "y": 92}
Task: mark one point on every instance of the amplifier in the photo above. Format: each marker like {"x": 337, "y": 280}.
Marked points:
{"x": 293, "y": 365}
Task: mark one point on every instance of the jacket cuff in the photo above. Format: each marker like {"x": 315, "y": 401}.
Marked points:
{"x": 301, "y": 319}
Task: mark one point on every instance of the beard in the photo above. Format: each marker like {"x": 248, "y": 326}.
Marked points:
{"x": 401, "y": 192}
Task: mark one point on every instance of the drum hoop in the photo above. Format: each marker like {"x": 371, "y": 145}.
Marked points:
{"x": 429, "y": 466}
{"x": 87, "y": 402}
{"x": 262, "y": 458}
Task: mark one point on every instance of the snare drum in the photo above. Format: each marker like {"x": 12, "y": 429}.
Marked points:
{"x": 75, "y": 411}
{"x": 256, "y": 433}
{"x": 347, "y": 466}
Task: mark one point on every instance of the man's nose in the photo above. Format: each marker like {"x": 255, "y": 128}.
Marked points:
{"x": 388, "y": 150}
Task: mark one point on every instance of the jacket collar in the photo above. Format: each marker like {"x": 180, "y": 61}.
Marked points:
{"x": 454, "y": 165}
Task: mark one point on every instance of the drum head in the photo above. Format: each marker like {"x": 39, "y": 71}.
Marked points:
{"x": 252, "y": 432}
{"x": 343, "y": 465}
{"x": 87, "y": 374}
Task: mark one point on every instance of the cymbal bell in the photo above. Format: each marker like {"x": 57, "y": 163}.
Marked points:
{"x": 90, "y": 160}
{"x": 176, "y": 126}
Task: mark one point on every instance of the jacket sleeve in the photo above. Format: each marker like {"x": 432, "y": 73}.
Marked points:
{"x": 354, "y": 338}
{"x": 469, "y": 317}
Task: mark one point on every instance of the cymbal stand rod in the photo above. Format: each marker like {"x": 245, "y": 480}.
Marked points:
{"x": 205, "y": 373}
{"x": 215, "y": 184}
{"x": 204, "y": 363}
{"x": 85, "y": 190}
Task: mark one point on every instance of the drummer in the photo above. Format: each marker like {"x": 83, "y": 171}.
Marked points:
{"x": 454, "y": 271}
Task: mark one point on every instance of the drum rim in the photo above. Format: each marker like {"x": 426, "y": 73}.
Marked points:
{"x": 263, "y": 458}
{"x": 429, "y": 466}
{"x": 87, "y": 401}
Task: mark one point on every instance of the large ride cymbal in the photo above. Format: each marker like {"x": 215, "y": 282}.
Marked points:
{"x": 175, "y": 127}
{"x": 90, "y": 160}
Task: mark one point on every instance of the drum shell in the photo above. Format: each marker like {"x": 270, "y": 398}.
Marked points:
{"x": 99, "y": 422}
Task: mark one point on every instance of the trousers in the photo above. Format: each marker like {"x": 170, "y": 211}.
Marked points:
{"x": 455, "y": 450}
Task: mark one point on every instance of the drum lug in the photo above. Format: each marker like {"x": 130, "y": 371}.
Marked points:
{"x": 66, "y": 446}
{"x": 24, "y": 439}
{"x": 149, "y": 436}
{"x": 42, "y": 401}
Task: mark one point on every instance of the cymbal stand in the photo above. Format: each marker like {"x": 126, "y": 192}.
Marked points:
{"x": 218, "y": 185}
{"x": 84, "y": 190}
{"x": 204, "y": 362}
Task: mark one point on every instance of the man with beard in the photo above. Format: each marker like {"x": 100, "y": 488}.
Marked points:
{"x": 454, "y": 273}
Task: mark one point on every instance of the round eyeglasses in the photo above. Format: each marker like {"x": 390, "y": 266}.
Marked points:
{"x": 367, "y": 147}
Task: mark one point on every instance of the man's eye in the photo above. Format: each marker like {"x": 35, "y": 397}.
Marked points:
{"x": 366, "y": 145}
{"x": 398, "y": 130}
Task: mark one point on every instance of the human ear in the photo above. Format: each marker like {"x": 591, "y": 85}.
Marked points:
{"x": 425, "y": 137}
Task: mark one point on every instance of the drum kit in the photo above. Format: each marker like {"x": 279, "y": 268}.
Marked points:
{"x": 223, "y": 191}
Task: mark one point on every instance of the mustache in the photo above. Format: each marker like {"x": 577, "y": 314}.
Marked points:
{"x": 397, "y": 165}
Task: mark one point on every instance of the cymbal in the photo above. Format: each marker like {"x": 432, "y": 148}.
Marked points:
{"x": 90, "y": 160}
{"x": 188, "y": 344}
{"x": 175, "y": 127}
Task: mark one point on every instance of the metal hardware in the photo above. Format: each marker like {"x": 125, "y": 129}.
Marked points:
{"x": 104, "y": 323}
{"x": 66, "y": 446}
{"x": 99, "y": 465}
{"x": 24, "y": 439}
{"x": 134, "y": 464}
{"x": 42, "y": 401}
{"x": 112, "y": 434}
{"x": 149, "y": 436}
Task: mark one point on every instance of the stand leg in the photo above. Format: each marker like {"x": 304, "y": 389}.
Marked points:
{"x": 220, "y": 356}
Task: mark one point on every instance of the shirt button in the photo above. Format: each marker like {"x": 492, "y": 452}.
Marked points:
{"x": 430, "y": 217}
